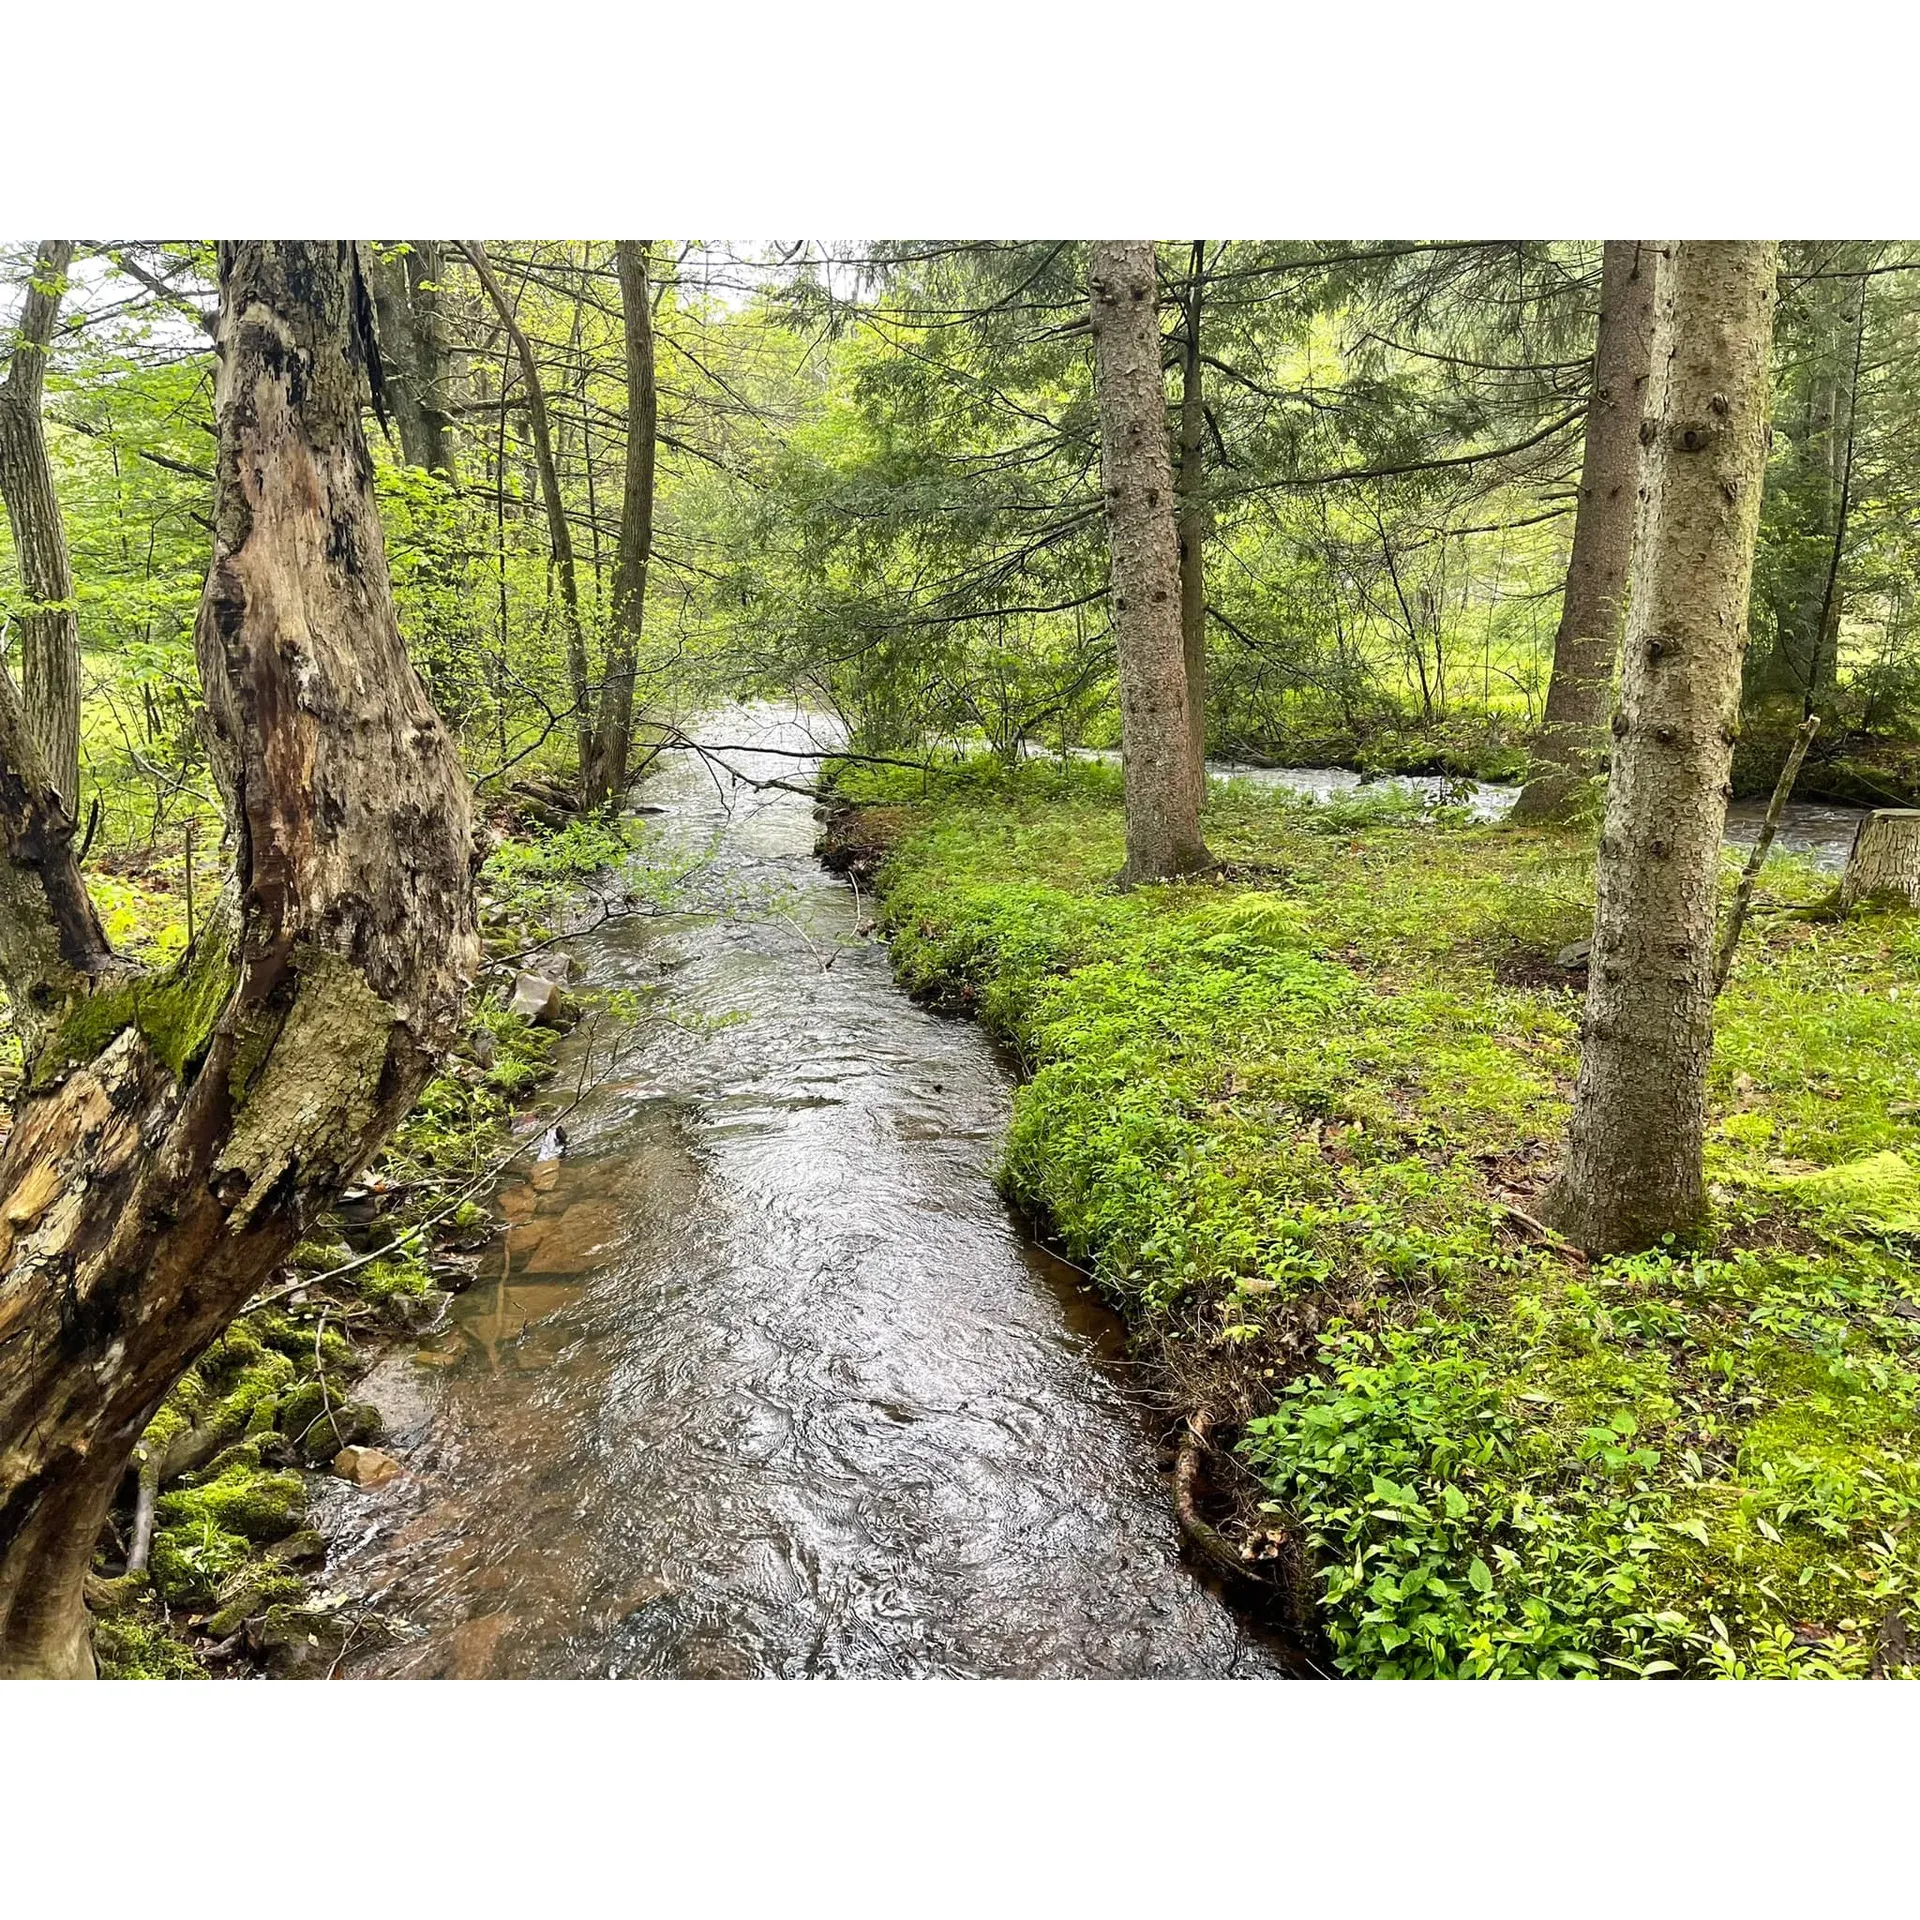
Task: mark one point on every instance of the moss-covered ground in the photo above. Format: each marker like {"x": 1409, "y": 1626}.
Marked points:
{"x": 1295, "y": 1120}
{"x": 273, "y": 1398}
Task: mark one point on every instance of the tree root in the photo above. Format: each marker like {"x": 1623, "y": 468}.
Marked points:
{"x": 1187, "y": 1470}
{"x": 143, "y": 1509}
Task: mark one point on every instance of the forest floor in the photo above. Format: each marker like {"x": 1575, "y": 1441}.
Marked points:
{"x": 234, "y": 1582}
{"x": 1297, "y": 1120}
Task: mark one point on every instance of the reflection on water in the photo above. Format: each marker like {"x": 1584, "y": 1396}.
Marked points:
{"x": 763, "y": 1379}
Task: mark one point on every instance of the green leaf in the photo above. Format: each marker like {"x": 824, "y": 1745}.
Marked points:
{"x": 1480, "y": 1575}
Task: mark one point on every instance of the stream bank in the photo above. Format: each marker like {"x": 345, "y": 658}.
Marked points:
{"x": 1298, "y": 1118}
{"x": 225, "y": 1501}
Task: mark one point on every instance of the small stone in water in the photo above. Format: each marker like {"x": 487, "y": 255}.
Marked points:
{"x": 365, "y": 1466}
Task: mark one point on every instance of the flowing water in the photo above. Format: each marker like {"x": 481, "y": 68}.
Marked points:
{"x": 764, "y": 1379}
{"x": 767, "y": 1380}
{"x": 1811, "y": 829}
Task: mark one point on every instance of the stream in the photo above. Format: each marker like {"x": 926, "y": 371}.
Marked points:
{"x": 765, "y": 1379}
{"x": 1813, "y": 830}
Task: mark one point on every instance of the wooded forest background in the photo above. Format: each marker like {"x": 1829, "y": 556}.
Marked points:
{"x": 876, "y": 489}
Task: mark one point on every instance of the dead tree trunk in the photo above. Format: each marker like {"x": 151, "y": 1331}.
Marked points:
{"x": 1633, "y": 1168}
{"x": 413, "y": 351}
{"x": 613, "y": 737}
{"x": 1885, "y": 861}
{"x": 1191, "y": 486}
{"x": 1572, "y": 745}
{"x": 50, "y": 631}
{"x": 1163, "y": 782}
{"x": 177, "y": 1133}
{"x": 559, "y": 534}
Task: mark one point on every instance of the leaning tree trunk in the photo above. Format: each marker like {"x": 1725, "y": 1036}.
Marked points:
{"x": 1633, "y": 1169}
{"x": 1163, "y": 782}
{"x": 177, "y": 1133}
{"x": 1190, "y": 484}
{"x": 50, "y": 630}
{"x": 1572, "y": 746}
{"x": 613, "y": 737}
{"x": 1885, "y": 861}
{"x": 559, "y": 533}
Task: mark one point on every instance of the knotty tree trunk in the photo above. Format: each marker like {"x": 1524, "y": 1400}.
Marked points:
{"x": 1191, "y": 486}
{"x": 1633, "y": 1168}
{"x": 414, "y": 352}
{"x": 606, "y": 782}
{"x": 559, "y": 534}
{"x": 1572, "y": 747}
{"x": 1163, "y": 782}
{"x": 1885, "y": 861}
{"x": 178, "y": 1133}
{"x": 50, "y": 632}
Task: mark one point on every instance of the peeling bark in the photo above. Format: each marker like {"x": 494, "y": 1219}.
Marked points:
{"x": 1163, "y": 783}
{"x": 1633, "y": 1169}
{"x": 178, "y": 1134}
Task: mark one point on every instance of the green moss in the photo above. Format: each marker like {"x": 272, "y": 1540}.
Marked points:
{"x": 254, "y": 1505}
{"x": 192, "y": 1559}
{"x": 134, "y": 1644}
{"x": 398, "y": 1273}
{"x": 175, "y": 1012}
{"x": 251, "y": 1590}
{"x": 1880, "y": 1192}
{"x": 320, "y": 1423}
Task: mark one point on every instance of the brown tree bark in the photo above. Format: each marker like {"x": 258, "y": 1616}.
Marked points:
{"x": 1884, "y": 862}
{"x": 50, "y": 632}
{"x": 1572, "y": 749}
{"x": 1163, "y": 782}
{"x": 1633, "y": 1167}
{"x": 1190, "y": 484}
{"x": 606, "y": 782}
{"x": 177, "y": 1133}
{"x": 414, "y": 351}
{"x": 559, "y": 534}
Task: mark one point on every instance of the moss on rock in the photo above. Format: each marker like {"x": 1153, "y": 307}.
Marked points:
{"x": 134, "y": 1644}
{"x": 257, "y": 1506}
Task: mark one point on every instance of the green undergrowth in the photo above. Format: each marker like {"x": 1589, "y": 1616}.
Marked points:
{"x": 1280, "y": 1116}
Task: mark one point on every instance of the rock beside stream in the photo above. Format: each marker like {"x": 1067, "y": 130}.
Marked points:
{"x": 539, "y": 1000}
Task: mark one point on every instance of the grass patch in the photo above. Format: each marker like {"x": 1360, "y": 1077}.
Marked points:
{"x": 1280, "y": 1117}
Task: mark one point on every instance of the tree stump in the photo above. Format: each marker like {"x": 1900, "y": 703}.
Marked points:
{"x": 1885, "y": 861}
